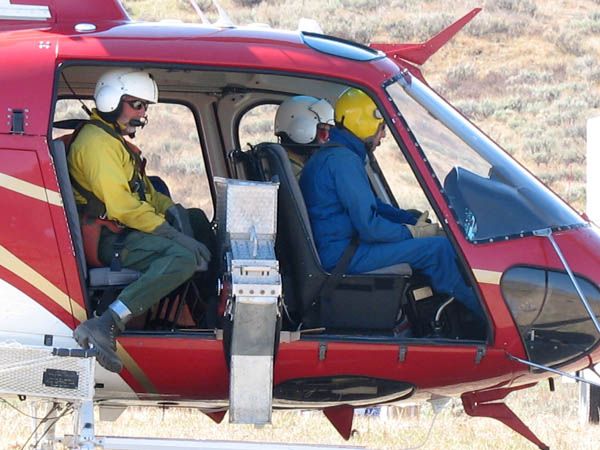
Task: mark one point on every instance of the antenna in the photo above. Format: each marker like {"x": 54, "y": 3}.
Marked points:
{"x": 203, "y": 17}
{"x": 224, "y": 21}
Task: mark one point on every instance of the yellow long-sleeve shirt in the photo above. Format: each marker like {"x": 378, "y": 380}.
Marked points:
{"x": 100, "y": 163}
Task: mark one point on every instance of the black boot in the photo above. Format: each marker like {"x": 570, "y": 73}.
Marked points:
{"x": 100, "y": 333}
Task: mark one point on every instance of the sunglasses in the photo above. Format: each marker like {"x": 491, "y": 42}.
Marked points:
{"x": 138, "y": 104}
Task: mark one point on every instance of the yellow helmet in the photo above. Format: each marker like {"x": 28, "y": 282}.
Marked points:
{"x": 355, "y": 111}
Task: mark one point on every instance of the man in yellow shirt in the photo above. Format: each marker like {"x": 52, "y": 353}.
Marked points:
{"x": 111, "y": 188}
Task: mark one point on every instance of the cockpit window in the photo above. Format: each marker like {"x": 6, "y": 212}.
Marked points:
{"x": 554, "y": 325}
{"x": 491, "y": 196}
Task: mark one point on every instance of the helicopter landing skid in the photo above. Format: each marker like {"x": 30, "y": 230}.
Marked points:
{"x": 485, "y": 404}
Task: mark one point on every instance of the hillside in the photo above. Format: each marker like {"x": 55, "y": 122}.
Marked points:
{"x": 524, "y": 71}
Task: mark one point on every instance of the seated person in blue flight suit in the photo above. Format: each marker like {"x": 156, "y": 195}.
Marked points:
{"x": 341, "y": 205}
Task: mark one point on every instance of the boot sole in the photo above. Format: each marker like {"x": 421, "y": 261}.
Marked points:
{"x": 105, "y": 355}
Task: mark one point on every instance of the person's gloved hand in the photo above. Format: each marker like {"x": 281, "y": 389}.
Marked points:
{"x": 423, "y": 219}
{"x": 200, "y": 251}
{"x": 423, "y": 230}
{"x": 178, "y": 217}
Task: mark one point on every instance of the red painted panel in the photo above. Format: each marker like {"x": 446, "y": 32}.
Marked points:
{"x": 26, "y": 78}
{"x": 180, "y": 367}
{"x": 27, "y": 230}
{"x": 193, "y": 367}
{"x": 456, "y": 369}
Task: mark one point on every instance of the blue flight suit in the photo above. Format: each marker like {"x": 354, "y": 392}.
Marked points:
{"x": 341, "y": 204}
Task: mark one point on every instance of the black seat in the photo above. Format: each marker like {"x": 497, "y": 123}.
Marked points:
{"x": 366, "y": 301}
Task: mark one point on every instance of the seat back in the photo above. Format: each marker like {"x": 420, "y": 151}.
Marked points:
{"x": 59, "y": 155}
{"x": 295, "y": 246}
{"x": 368, "y": 301}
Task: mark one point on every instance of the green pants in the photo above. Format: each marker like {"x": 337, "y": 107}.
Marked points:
{"x": 164, "y": 264}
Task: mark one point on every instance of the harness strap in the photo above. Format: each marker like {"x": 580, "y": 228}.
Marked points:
{"x": 136, "y": 184}
{"x": 94, "y": 207}
{"x": 118, "y": 245}
{"x": 338, "y": 271}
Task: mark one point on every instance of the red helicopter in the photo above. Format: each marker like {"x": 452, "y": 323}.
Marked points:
{"x": 277, "y": 332}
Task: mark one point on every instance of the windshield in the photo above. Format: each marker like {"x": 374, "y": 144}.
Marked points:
{"x": 490, "y": 195}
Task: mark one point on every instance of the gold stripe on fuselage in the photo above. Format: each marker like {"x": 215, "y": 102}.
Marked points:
{"x": 30, "y": 189}
{"x": 487, "y": 276}
{"x": 135, "y": 370}
{"x": 25, "y": 272}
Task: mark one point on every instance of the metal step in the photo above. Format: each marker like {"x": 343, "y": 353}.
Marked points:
{"x": 128, "y": 443}
{"x": 46, "y": 372}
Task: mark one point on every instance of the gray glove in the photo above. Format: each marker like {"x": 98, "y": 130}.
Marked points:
{"x": 422, "y": 220}
{"x": 421, "y": 230}
{"x": 178, "y": 217}
{"x": 200, "y": 251}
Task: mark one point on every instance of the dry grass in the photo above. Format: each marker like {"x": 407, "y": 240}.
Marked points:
{"x": 552, "y": 416}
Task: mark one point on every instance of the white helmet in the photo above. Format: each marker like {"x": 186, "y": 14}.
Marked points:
{"x": 112, "y": 85}
{"x": 298, "y": 117}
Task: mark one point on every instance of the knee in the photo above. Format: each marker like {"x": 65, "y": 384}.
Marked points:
{"x": 186, "y": 263}
{"x": 182, "y": 262}
{"x": 440, "y": 244}
{"x": 442, "y": 248}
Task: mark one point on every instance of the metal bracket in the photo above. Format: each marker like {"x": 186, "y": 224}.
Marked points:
{"x": 322, "y": 351}
{"x": 402, "y": 353}
{"x": 17, "y": 120}
{"x": 480, "y": 353}
{"x": 550, "y": 369}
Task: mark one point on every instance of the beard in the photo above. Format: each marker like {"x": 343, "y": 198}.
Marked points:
{"x": 130, "y": 128}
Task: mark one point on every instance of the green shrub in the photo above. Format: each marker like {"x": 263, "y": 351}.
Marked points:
{"x": 362, "y": 6}
{"x": 419, "y": 27}
{"x": 567, "y": 41}
{"x": 499, "y": 25}
{"x": 531, "y": 76}
{"x": 476, "y": 109}
{"x": 527, "y": 7}
{"x": 589, "y": 24}
{"x": 247, "y": 3}
{"x": 460, "y": 75}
